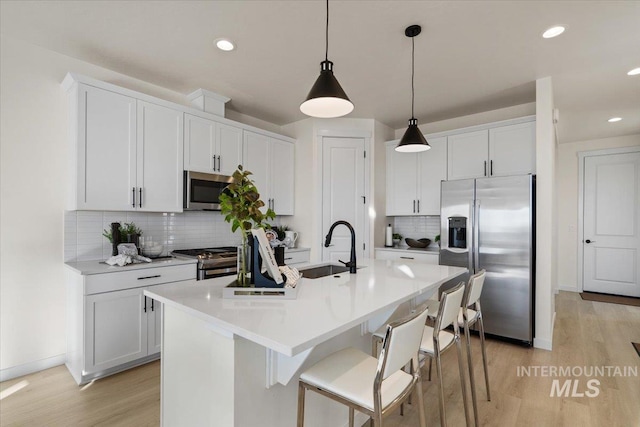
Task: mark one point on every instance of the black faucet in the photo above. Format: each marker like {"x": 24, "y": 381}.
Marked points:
{"x": 352, "y": 262}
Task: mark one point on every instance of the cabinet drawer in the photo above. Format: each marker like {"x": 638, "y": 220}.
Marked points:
{"x": 424, "y": 257}
{"x": 297, "y": 257}
{"x": 108, "y": 282}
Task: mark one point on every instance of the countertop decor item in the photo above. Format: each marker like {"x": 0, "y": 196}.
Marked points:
{"x": 412, "y": 141}
{"x": 240, "y": 204}
{"x": 326, "y": 98}
{"x": 397, "y": 238}
{"x": 420, "y": 243}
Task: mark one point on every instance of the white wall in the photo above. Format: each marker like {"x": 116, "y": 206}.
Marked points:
{"x": 308, "y": 174}
{"x": 567, "y": 192}
{"x": 546, "y": 237}
{"x": 34, "y": 160}
{"x": 474, "y": 119}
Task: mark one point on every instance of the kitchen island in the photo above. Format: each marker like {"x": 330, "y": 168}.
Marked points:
{"x": 233, "y": 362}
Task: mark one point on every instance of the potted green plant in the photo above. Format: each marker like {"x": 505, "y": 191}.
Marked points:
{"x": 240, "y": 204}
{"x": 437, "y": 239}
{"x": 129, "y": 233}
{"x": 397, "y": 237}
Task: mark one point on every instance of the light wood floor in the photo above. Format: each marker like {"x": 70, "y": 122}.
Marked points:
{"x": 586, "y": 334}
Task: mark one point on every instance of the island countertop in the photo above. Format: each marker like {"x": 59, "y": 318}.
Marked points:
{"x": 324, "y": 307}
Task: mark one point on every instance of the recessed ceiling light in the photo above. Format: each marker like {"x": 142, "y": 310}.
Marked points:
{"x": 614, "y": 119}
{"x": 634, "y": 72}
{"x": 553, "y": 32}
{"x": 225, "y": 44}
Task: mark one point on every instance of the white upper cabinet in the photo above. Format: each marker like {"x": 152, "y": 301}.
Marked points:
{"x": 211, "y": 147}
{"x": 402, "y": 181}
{"x": 413, "y": 179}
{"x": 468, "y": 153}
{"x": 103, "y": 132}
{"x": 433, "y": 170}
{"x": 512, "y": 149}
{"x": 271, "y": 161}
{"x": 160, "y": 145}
{"x": 501, "y": 150}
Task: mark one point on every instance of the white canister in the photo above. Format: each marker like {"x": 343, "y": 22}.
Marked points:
{"x": 292, "y": 236}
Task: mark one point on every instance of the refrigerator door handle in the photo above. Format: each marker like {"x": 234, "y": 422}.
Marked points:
{"x": 470, "y": 236}
{"x": 476, "y": 235}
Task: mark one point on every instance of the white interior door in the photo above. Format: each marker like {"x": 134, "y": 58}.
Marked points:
{"x": 343, "y": 196}
{"x": 611, "y": 252}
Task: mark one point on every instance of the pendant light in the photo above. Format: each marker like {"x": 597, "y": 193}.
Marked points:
{"x": 412, "y": 141}
{"x": 326, "y": 98}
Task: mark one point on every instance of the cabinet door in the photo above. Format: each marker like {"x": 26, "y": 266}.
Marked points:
{"x": 229, "y": 148}
{"x": 282, "y": 188}
{"x": 160, "y": 158}
{"x": 154, "y": 326}
{"x": 106, "y": 151}
{"x": 512, "y": 149}
{"x": 468, "y": 154}
{"x": 256, "y": 159}
{"x": 402, "y": 181}
{"x": 116, "y": 329}
{"x": 432, "y": 165}
{"x": 199, "y": 142}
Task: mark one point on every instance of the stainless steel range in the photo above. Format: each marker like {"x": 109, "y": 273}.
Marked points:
{"x": 212, "y": 262}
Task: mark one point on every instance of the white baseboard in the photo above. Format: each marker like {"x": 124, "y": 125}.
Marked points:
{"x": 546, "y": 344}
{"x": 31, "y": 367}
{"x": 567, "y": 288}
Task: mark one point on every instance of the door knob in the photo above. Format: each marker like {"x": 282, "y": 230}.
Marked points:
{"x": 589, "y": 241}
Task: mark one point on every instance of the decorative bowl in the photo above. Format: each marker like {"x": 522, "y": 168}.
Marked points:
{"x": 422, "y": 243}
{"x": 153, "y": 250}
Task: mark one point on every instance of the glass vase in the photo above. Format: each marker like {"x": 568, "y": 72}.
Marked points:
{"x": 243, "y": 279}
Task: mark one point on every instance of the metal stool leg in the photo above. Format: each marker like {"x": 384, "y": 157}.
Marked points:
{"x": 351, "y": 417}
{"x": 301, "y": 391}
{"x": 443, "y": 417}
{"x": 472, "y": 379}
{"x": 463, "y": 382}
{"x": 484, "y": 355}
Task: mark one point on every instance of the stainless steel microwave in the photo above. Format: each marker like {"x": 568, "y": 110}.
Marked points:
{"x": 202, "y": 190}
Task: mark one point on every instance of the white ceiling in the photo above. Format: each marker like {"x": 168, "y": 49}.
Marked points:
{"x": 472, "y": 56}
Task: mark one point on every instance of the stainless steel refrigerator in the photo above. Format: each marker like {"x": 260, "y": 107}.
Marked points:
{"x": 489, "y": 223}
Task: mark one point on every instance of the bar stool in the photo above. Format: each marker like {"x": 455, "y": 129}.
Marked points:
{"x": 436, "y": 340}
{"x": 467, "y": 317}
{"x": 369, "y": 385}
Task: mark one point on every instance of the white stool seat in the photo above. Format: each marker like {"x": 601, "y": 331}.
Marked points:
{"x": 350, "y": 373}
{"x": 435, "y": 306}
{"x": 445, "y": 337}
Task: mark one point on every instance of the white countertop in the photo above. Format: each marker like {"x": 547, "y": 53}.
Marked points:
{"x": 428, "y": 250}
{"x": 324, "y": 307}
{"x": 100, "y": 267}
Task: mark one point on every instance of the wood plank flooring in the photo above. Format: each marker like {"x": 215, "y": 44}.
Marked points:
{"x": 586, "y": 334}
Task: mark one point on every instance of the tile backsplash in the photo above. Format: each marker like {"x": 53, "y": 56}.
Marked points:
{"x": 417, "y": 227}
{"x": 83, "y": 239}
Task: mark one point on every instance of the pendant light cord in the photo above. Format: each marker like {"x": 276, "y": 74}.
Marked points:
{"x": 413, "y": 55}
{"x": 326, "y": 37}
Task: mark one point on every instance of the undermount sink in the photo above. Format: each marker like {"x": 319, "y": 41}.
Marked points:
{"x": 322, "y": 271}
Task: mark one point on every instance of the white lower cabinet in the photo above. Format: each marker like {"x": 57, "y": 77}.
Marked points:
{"x": 297, "y": 256}
{"x": 408, "y": 255}
{"x": 111, "y": 325}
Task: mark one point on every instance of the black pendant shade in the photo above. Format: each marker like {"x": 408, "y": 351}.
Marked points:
{"x": 326, "y": 97}
{"x": 413, "y": 141}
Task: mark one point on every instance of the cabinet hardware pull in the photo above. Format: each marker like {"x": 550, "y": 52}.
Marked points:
{"x": 273, "y": 204}
{"x": 491, "y": 168}
{"x": 140, "y": 196}
{"x": 133, "y": 197}
{"x": 149, "y": 277}
{"x": 589, "y": 241}
{"x": 214, "y": 163}
{"x": 485, "y": 168}
{"x": 406, "y": 257}
{"x": 219, "y": 163}
{"x": 145, "y": 304}
{"x": 288, "y": 258}
{"x": 152, "y": 300}
{"x": 414, "y": 206}
{"x": 418, "y": 205}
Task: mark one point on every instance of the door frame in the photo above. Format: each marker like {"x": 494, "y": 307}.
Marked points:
{"x": 355, "y": 134}
{"x": 582, "y": 155}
